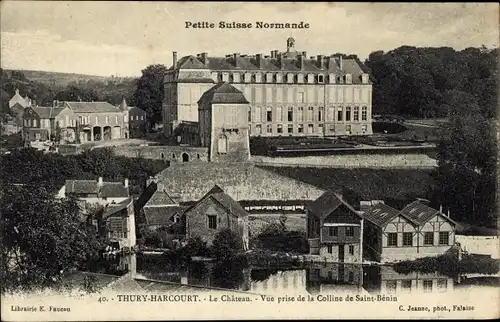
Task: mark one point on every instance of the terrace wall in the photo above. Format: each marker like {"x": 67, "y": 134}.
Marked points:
{"x": 166, "y": 153}
{"x": 400, "y": 160}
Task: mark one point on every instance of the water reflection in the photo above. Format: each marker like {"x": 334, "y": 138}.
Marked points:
{"x": 311, "y": 278}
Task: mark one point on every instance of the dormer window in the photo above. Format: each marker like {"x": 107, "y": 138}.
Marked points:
{"x": 289, "y": 78}
{"x": 321, "y": 79}
{"x": 279, "y": 78}
{"x": 348, "y": 78}
{"x": 236, "y": 78}
{"x": 364, "y": 78}
{"x": 310, "y": 78}
{"x": 332, "y": 79}
{"x": 220, "y": 78}
{"x": 215, "y": 76}
{"x": 225, "y": 77}
{"x": 269, "y": 78}
{"x": 258, "y": 77}
{"x": 248, "y": 77}
{"x": 300, "y": 78}
{"x": 339, "y": 80}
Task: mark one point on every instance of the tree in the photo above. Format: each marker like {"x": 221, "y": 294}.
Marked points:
{"x": 42, "y": 238}
{"x": 149, "y": 92}
{"x": 226, "y": 245}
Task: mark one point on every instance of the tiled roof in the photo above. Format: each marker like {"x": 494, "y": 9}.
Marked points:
{"x": 113, "y": 190}
{"x": 114, "y": 208}
{"x": 92, "y": 107}
{"x": 381, "y": 214}
{"x": 326, "y": 203}
{"x": 226, "y": 201}
{"x": 419, "y": 212}
{"x": 47, "y": 112}
{"x": 160, "y": 198}
{"x": 241, "y": 181}
{"x": 249, "y": 63}
{"x": 162, "y": 216}
{"x": 108, "y": 189}
{"x": 223, "y": 93}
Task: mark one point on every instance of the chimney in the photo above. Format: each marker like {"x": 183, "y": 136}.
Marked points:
{"x": 280, "y": 61}
{"x": 174, "y": 60}
{"x": 272, "y": 54}
{"x": 448, "y": 213}
{"x": 204, "y": 58}
{"x": 440, "y": 209}
{"x": 304, "y": 54}
{"x": 236, "y": 56}
{"x": 341, "y": 63}
{"x": 99, "y": 181}
{"x": 126, "y": 183}
{"x": 321, "y": 61}
{"x": 55, "y": 103}
{"x": 259, "y": 60}
{"x": 301, "y": 62}
{"x": 17, "y": 91}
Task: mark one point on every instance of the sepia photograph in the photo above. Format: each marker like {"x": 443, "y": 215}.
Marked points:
{"x": 180, "y": 160}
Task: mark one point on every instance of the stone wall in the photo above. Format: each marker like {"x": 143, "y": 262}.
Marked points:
{"x": 172, "y": 154}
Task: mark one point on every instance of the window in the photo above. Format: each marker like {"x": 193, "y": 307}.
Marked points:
{"x": 173, "y": 155}
{"x": 363, "y": 113}
{"x": 339, "y": 115}
{"x": 321, "y": 79}
{"x": 348, "y": 113}
{"x": 96, "y": 120}
{"x": 212, "y": 221}
{"x": 351, "y": 250}
{"x": 300, "y": 114}
{"x": 427, "y": 285}
{"x": 257, "y": 114}
{"x": 222, "y": 144}
{"x": 442, "y": 285}
{"x": 279, "y": 114}
{"x": 289, "y": 78}
{"x": 406, "y": 285}
{"x": 300, "y": 78}
{"x": 331, "y": 113}
{"x": 249, "y": 116}
{"x": 258, "y": 129}
{"x": 280, "y": 128}
{"x": 392, "y": 239}
{"x": 407, "y": 239}
{"x": 269, "y": 78}
{"x": 330, "y": 249}
{"x": 349, "y": 231}
{"x": 320, "y": 128}
{"x": 331, "y": 128}
{"x": 116, "y": 119}
{"x": 300, "y": 128}
{"x": 310, "y": 111}
{"x": 269, "y": 129}
{"x": 391, "y": 286}
{"x": 290, "y": 114}
{"x": 356, "y": 113}
{"x": 350, "y": 279}
{"x": 364, "y": 128}
{"x": 333, "y": 231}
{"x": 443, "y": 237}
{"x": 310, "y": 129}
{"x": 125, "y": 118}
{"x": 330, "y": 275}
{"x": 300, "y": 97}
{"x": 320, "y": 113}
{"x": 269, "y": 114}
{"x": 289, "y": 128}
{"x": 428, "y": 238}
{"x": 348, "y": 78}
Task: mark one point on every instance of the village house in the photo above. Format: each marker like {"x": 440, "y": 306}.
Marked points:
{"x": 17, "y": 104}
{"x": 334, "y": 229}
{"x": 49, "y": 123}
{"x": 137, "y": 120}
{"x": 214, "y": 212}
{"x": 414, "y": 232}
{"x": 92, "y": 192}
{"x": 118, "y": 223}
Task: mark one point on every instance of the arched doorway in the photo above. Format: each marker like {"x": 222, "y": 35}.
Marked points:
{"x": 107, "y": 133}
{"x": 185, "y": 157}
{"x": 97, "y": 133}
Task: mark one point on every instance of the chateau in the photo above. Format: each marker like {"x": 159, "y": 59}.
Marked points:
{"x": 289, "y": 94}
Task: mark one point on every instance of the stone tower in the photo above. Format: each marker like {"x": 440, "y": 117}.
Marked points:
{"x": 223, "y": 121}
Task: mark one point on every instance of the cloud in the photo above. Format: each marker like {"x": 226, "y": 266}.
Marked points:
{"x": 124, "y": 37}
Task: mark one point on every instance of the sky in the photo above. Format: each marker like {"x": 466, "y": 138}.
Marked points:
{"x": 122, "y": 38}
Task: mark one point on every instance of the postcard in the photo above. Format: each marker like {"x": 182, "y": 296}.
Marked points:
{"x": 230, "y": 160}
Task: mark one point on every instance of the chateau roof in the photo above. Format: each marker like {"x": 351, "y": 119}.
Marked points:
{"x": 223, "y": 93}
{"x": 92, "y": 107}
{"x": 189, "y": 182}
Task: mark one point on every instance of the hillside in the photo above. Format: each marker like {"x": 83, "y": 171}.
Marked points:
{"x": 56, "y": 79}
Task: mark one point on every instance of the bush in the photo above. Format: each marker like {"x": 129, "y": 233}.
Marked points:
{"x": 275, "y": 237}
{"x": 226, "y": 245}
{"x": 181, "y": 257}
